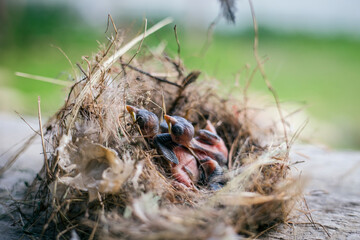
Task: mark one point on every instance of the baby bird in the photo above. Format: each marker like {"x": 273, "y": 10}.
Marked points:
{"x": 147, "y": 121}
{"x": 182, "y": 133}
{"x": 208, "y": 143}
{"x": 183, "y": 164}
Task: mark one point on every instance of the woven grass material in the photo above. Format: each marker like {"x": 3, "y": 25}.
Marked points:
{"x": 102, "y": 179}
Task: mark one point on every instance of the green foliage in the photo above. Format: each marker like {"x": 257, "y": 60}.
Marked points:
{"x": 321, "y": 71}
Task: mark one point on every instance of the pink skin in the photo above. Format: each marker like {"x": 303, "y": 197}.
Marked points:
{"x": 210, "y": 127}
{"x": 210, "y": 149}
{"x": 212, "y": 145}
{"x": 186, "y": 172}
{"x": 209, "y": 165}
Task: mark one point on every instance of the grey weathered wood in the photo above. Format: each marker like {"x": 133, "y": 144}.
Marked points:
{"x": 332, "y": 194}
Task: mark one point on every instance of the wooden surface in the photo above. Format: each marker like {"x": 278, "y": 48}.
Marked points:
{"x": 332, "y": 194}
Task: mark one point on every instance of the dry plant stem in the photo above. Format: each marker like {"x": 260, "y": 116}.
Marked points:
{"x": 245, "y": 91}
{"x": 113, "y": 40}
{"x": 24, "y": 147}
{"x": 82, "y": 70}
{"x": 298, "y": 132}
{"x": 232, "y": 149}
{"x": 104, "y": 66}
{"x": 138, "y": 50}
{"x": 176, "y": 65}
{"x": 42, "y": 140}
{"x": 209, "y": 36}
{"x": 91, "y": 237}
{"x": 186, "y": 82}
{"x": 67, "y": 58}
{"x": 123, "y": 66}
{"x": 152, "y": 76}
{"x": 178, "y": 44}
{"x": 28, "y": 124}
{"x": 65, "y": 231}
{"x": 44, "y": 79}
{"x": 113, "y": 23}
{"x": 262, "y": 71}
{"x": 266, "y": 230}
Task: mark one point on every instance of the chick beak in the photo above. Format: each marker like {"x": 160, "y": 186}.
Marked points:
{"x": 131, "y": 110}
{"x": 169, "y": 120}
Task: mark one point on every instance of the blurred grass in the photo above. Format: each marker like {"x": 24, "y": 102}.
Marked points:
{"x": 323, "y": 72}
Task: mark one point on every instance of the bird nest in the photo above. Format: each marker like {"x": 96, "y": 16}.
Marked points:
{"x": 102, "y": 179}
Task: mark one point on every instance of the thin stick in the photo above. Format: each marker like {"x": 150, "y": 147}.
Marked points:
{"x": 12, "y": 160}
{"x": 82, "y": 70}
{"x": 103, "y": 67}
{"x": 209, "y": 36}
{"x": 91, "y": 237}
{"x": 190, "y": 78}
{"x": 65, "y": 231}
{"x": 142, "y": 40}
{"x": 153, "y": 77}
{"x": 178, "y": 44}
{"x": 66, "y": 56}
{"x": 176, "y": 65}
{"x": 136, "y": 53}
{"x": 232, "y": 149}
{"x": 42, "y": 138}
{"x": 27, "y": 123}
{"x": 298, "y": 132}
{"x": 44, "y": 79}
{"x": 262, "y": 71}
{"x": 112, "y": 21}
{"x": 266, "y": 230}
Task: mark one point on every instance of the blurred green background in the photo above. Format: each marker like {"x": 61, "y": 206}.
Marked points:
{"x": 321, "y": 71}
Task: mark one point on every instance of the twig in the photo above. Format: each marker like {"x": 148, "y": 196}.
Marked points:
{"x": 176, "y": 65}
{"x": 209, "y": 36}
{"x": 153, "y": 77}
{"x": 44, "y": 79}
{"x": 65, "y": 231}
{"x": 190, "y": 78}
{"x": 111, "y": 41}
{"x": 314, "y": 223}
{"x": 298, "y": 132}
{"x": 262, "y": 71}
{"x": 82, "y": 70}
{"x": 42, "y": 139}
{"x": 11, "y": 161}
{"x": 112, "y": 21}
{"x": 89, "y": 66}
{"x": 178, "y": 44}
{"x": 138, "y": 49}
{"x": 27, "y": 123}
{"x": 232, "y": 149}
{"x": 66, "y": 56}
{"x": 91, "y": 237}
{"x": 37, "y": 132}
{"x": 136, "y": 53}
{"x": 266, "y": 230}
{"x": 241, "y": 150}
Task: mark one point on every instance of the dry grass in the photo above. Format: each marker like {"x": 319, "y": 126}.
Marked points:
{"x": 101, "y": 178}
